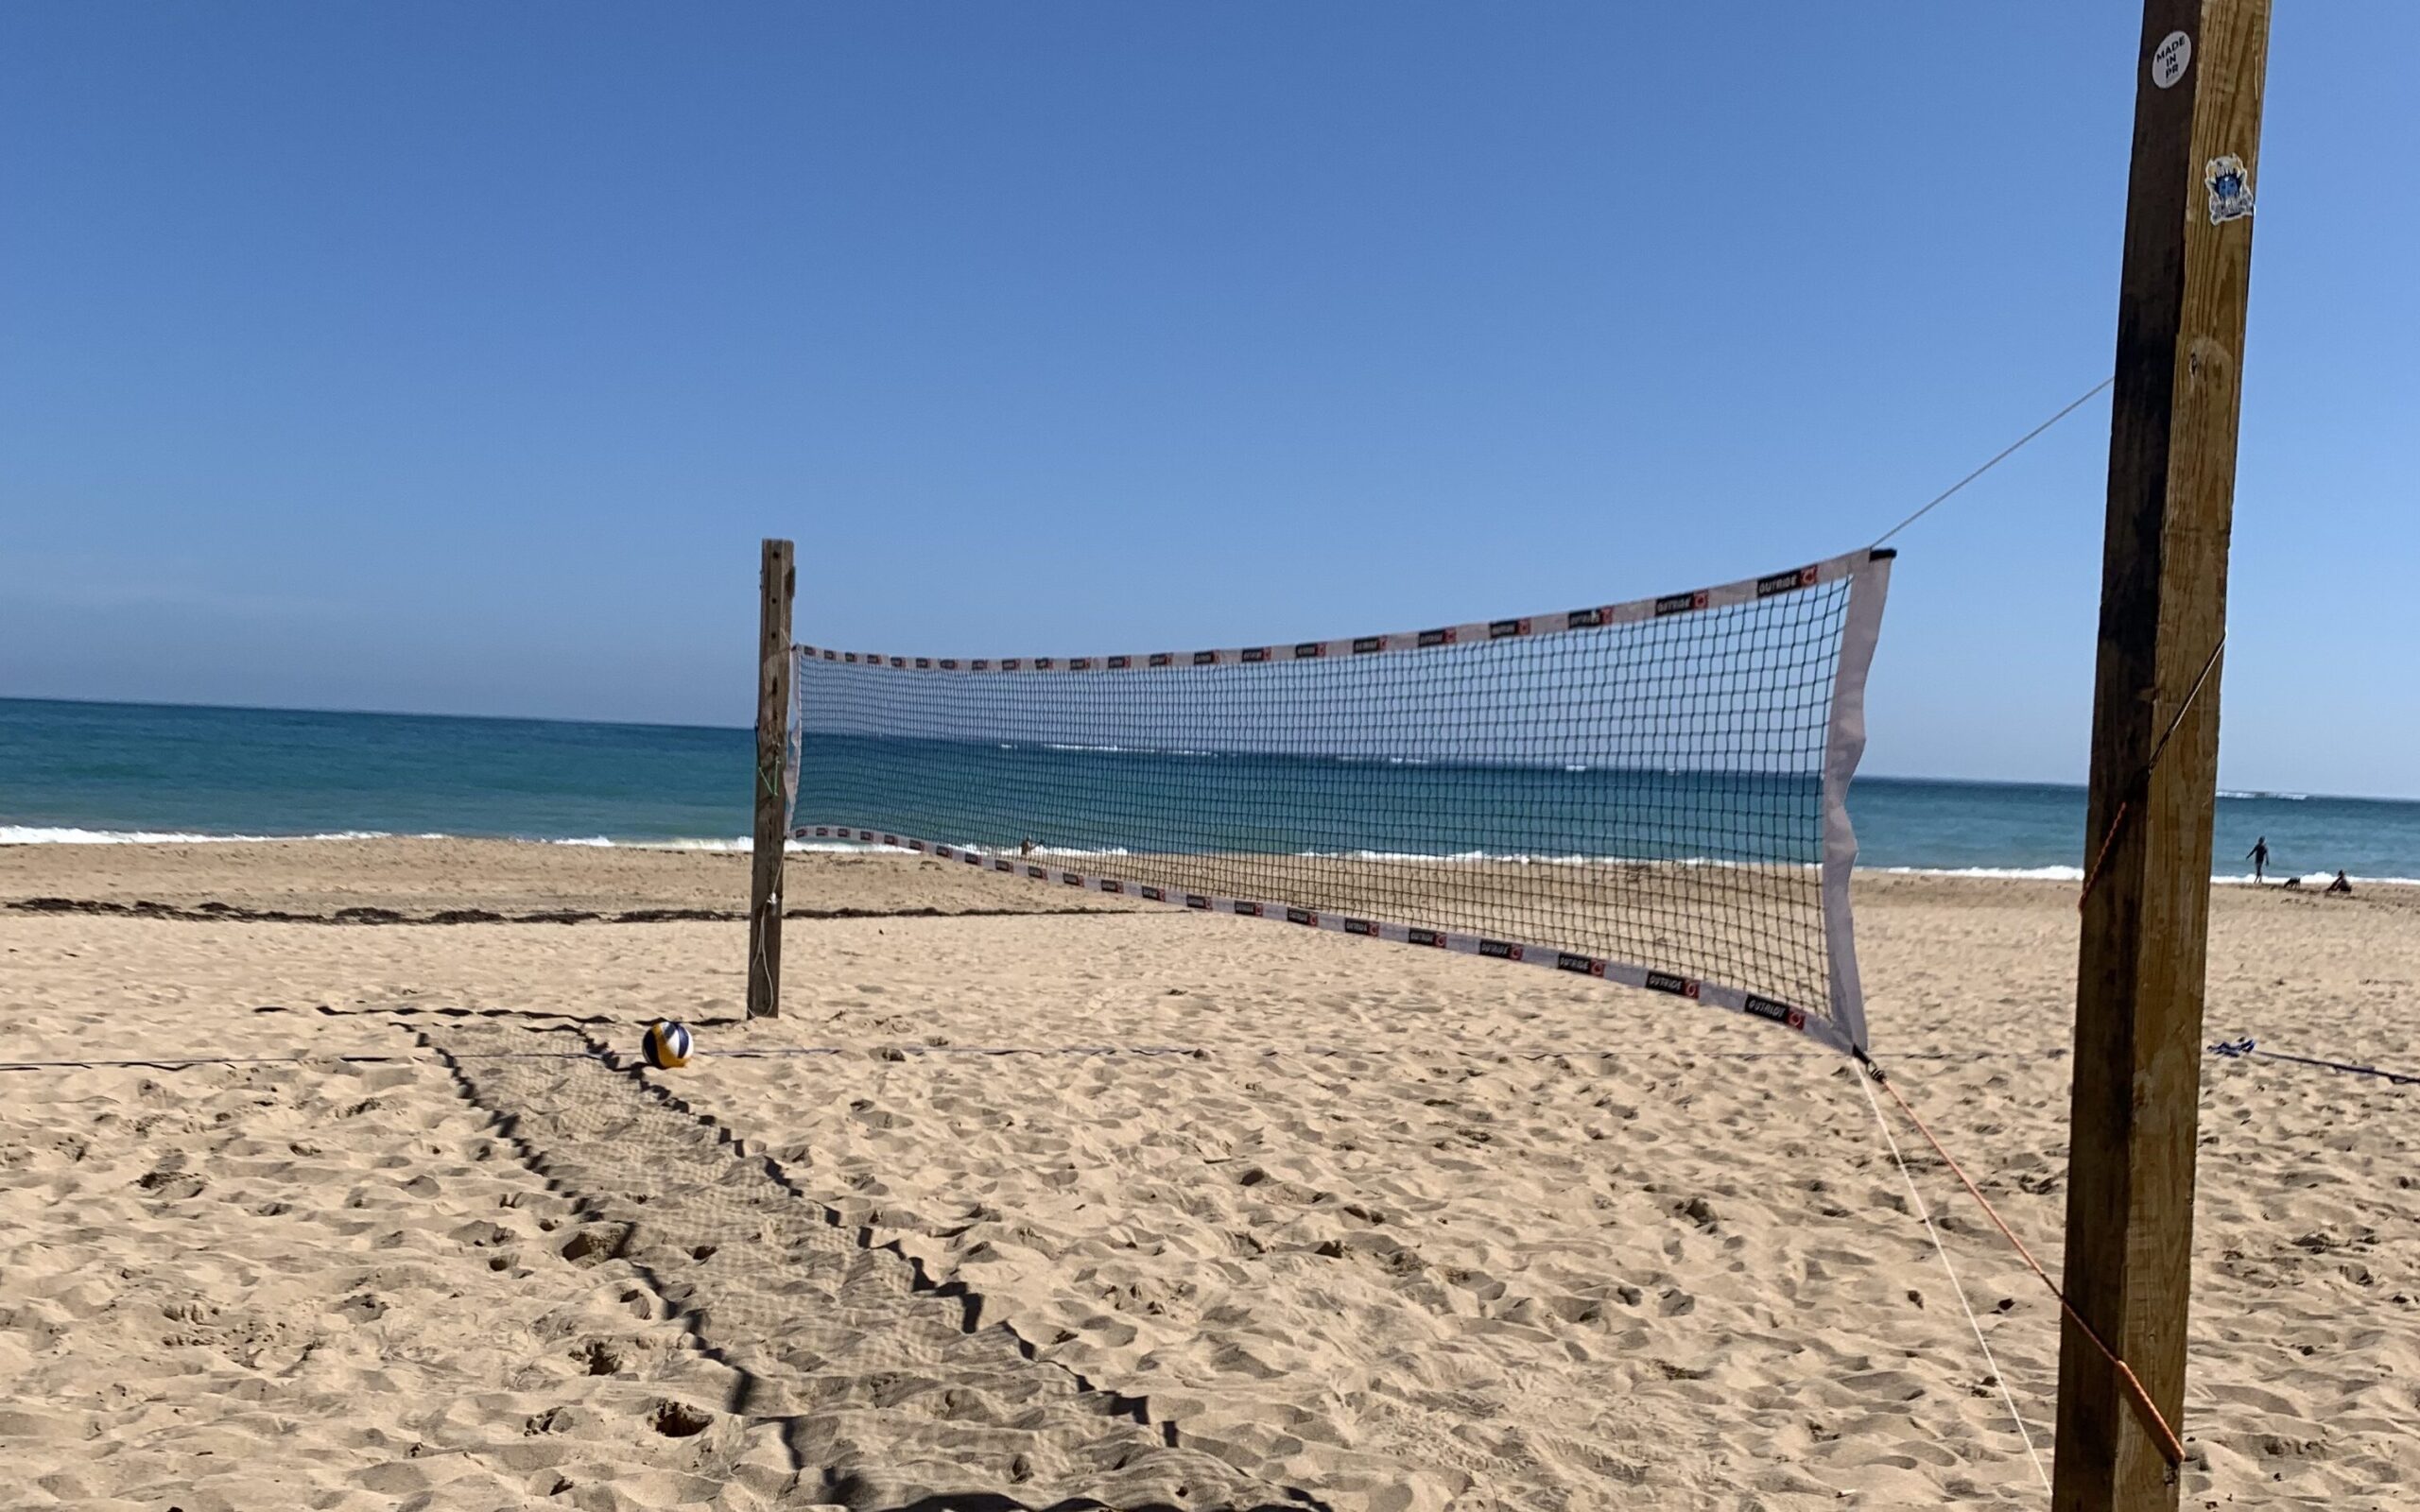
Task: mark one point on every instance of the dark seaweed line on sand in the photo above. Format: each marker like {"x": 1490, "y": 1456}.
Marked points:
{"x": 216, "y": 911}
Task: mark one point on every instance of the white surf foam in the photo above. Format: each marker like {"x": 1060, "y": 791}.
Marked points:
{"x": 2008, "y": 874}
{"x": 2315, "y": 879}
{"x": 69, "y": 834}
{"x": 65, "y": 835}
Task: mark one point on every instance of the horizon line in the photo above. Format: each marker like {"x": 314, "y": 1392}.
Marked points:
{"x": 750, "y": 729}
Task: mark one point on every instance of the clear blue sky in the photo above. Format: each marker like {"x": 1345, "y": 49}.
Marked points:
{"x": 453, "y": 358}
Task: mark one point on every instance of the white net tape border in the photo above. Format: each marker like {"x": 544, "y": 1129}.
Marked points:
{"x": 1736, "y": 1000}
{"x": 1563, "y": 621}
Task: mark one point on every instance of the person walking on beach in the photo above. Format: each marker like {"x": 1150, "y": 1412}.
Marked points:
{"x": 2258, "y": 855}
{"x": 2341, "y": 885}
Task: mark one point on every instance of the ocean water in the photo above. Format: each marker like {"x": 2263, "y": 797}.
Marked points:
{"x": 80, "y": 771}
{"x": 96, "y": 773}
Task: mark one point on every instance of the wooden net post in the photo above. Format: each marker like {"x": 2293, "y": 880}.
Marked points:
{"x": 2156, "y": 745}
{"x": 776, "y": 584}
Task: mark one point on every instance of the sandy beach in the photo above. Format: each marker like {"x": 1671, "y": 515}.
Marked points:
{"x": 1028, "y": 1200}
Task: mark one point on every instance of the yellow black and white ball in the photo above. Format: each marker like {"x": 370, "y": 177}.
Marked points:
{"x": 668, "y": 1045}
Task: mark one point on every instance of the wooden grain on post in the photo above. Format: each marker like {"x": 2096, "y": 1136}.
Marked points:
{"x": 777, "y": 582}
{"x": 2162, "y": 614}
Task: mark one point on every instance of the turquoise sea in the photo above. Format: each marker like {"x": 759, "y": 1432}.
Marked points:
{"x": 102, "y": 773}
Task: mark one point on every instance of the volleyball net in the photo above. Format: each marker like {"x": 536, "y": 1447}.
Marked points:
{"x": 1653, "y": 793}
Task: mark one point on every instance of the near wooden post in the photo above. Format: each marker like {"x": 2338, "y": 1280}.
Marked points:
{"x": 2156, "y": 742}
{"x": 777, "y": 582}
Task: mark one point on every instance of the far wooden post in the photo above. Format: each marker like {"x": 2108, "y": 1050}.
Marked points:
{"x": 776, "y": 583}
{"x": 2199, "y": 77}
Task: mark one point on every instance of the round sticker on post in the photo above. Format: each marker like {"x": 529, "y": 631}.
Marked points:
{"x": 2170, "y": 58}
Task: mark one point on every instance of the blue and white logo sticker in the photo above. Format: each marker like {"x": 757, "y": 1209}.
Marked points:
{"x": 2230, "y": 186}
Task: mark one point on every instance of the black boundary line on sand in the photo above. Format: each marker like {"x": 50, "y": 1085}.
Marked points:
{"x": 545, "y": 1018}
{"x": 216, "y": 911}
{"x": 551, "y": 1018}
{"x": 1135, "y": 1408}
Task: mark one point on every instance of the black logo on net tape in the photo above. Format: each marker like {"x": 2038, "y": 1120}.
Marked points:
{"x": 1248, "y": 908}
{"x": 1435, "y": 638}
{"x": 1193, "y": 900}
{"x": 1161, "y": 659}
{"x": 1498, "y": 950}
{"x": 1119, "y": 664}
{"x": 1680, "y": 603}
{"x": 1425, "y": 936}
{"x": 1301, "y": 916}
{"x": 1038, "y": 873}
{"x": 1368, "y": 643}
{"x": 1584, "y": 965}
{"x": 1072, "y": 879}
{"x": 1360, "y": 926}
{"x": 1781, "y": 1013}
{"x": 1786, "y": 582}
{"x": 1256, "y": 653}
{"x": 1112, "y": 884}
{"x": 1001, "y": 865}
{"x": 1501, "y": 628}
{"x": 1309, "y": 650}
{"x": 1153, "y": 894}
{"x": 1668, "y": 982}
{"x": 1205, "y": 659}
{"x": 974, "y": 860}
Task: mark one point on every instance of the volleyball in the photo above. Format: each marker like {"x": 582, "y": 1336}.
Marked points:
{"x": 668, "y": 1044}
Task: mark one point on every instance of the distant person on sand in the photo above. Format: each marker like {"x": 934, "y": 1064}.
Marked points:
{"x": 2259, "y": 857}
{"x": 1026, "y": 849}
{"x": 2340, "y": 884}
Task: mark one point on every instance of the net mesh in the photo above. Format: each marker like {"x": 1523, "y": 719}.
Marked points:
{"x": 1645, "y": 790}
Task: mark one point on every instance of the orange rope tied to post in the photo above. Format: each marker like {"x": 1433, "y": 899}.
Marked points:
{"x": 2142, "y": 782}
{"x": 2116, "y": 823}
{"x": 2170, "y": 1447}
